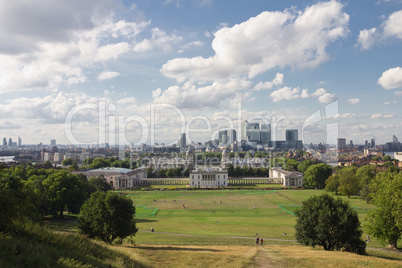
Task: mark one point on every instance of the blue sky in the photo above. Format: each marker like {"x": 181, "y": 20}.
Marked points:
{"x": 280, "y": 61}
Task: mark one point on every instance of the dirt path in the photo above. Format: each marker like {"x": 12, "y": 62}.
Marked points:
{"x": 264, "y": 259}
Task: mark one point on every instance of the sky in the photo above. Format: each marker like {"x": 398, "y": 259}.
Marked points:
{"x": 96, "y": 71}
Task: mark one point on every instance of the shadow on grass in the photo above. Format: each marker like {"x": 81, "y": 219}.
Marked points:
{"x": 144, "y": 220}
{"x": 177, "y": 248}
{"x": 394, "y": 255}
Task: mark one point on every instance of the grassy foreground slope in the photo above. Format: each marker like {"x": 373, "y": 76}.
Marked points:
{"x": 35, "y": 246}
{"x": 255, "y": 256}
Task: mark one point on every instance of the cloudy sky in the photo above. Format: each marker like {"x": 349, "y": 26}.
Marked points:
{"x": 82, "y": 71}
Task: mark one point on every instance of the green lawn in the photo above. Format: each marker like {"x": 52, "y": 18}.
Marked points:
{"x": 223, "y": 216}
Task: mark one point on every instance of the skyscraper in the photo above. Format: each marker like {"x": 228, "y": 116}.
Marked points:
{"x": 226, "y": 137}
{"x": 372, "y": 143}
{"x": 10, "y": 142}
{"x": 4, "y": 142}
{"x": 19, "y": 142}
{"x": 52, "y": 142}
{"x": 183, "y": 142}
{"x": 341, "y": 143}
{"x": 265, "y": 133}
{"x": 292, "y": 135}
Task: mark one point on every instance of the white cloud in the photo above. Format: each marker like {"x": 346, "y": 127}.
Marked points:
{"x": 393, "y": 25}
{"x": 285, "y": 93}
{"x": 108, "y": 75}
{"x": 191, "y": 96}
{"x": 398, "y": 93}
{"x": 265, "y": 42}
{"x": 390, "y": 28}
{"x": 354, "y": 101}
{"x": 367, "y": 38}
{"x": 327, "y": 98}
{"x": 376, "y": 116}
{"x": 389, "y": 115}
{"x": 159, "y": 40}
{"x": 391, "y": 78}
{"x": 319, "y": 92}
{"x": 345, "y": 116}
{"x": 278, "y": 80}
{"x": 304, "y": 94}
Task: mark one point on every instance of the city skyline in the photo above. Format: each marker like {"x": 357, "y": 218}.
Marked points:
{"x": 276, "y": 62}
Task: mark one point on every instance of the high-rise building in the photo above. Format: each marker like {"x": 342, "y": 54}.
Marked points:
{"x": 351, "y": 144}
{"x": 4, "y": 142}
{"x": 341, "y": 143}
{"x": 19, "y": 142}
{"x": 183, "y": 142}
{"x": 292, "y": 135}
{"x": 223, "y": 137}
{"x": 265, "y": 133}
{"x": 366, "y": 143}
{"x": 52, "y": 142}
{"x": 10, "y": 142}
{"x": 231, "y": 136}
{"x": 372, "y": 143}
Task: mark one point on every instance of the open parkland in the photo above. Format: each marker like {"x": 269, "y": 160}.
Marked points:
{"x": 219, "y": 227}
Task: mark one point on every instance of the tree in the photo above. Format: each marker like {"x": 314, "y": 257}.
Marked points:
{"x": 332, "y": 184}
{"x": 100, "y": 163}
{"x": 303, "y": 166}
{"x": 291, "y": 165}
{"x": 108, "y": 216}
{"x": 237, "y": 171}
{"x": 330, "y": 223}
{"x": 386, "y": 158}
{"x": 99, "y": 184}
{"x": 348, "y": 182}
{"x": 385, "y": 222}
{"x": 316, "y": 175}
{"x": 67, "y": 162}
{"x": 365, "y": 175}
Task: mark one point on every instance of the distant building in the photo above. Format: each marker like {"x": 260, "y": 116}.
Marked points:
{"x": 119, "y": 178}
{"x": 19, "y": 142}
{"x": 398, "y": 156}
{"x": 255, "y": 133}
{"x": 372, "y": 144}
{"x": 226, "y": 137}
{"x": 341, "y": 144}
{"x": 292, "y": 135}
{"x": 289, "y": 178}
{"x": 10, "y": 142}
{"x": 182, "y": 142}
{"x": 52, "y": 143}
{"x": 4, "y": 142}
{"x": 209, "y": 178}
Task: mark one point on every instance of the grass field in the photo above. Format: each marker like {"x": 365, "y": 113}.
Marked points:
{"x": 218, "y": 228}
{"x": 223, "y": 216}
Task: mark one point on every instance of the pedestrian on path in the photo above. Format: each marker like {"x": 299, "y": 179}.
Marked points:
{"x": 257, "y": 241}
{"x": 262, "y": 241}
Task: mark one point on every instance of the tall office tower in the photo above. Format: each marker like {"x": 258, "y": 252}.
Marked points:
{"x": 223, "y": 137}
{"x": 4, "y": 142}
{"x": 351, "y": 144}
{"x": 394, "y": 138}
{"x": 265, "y": 133}
{"x": 366, "y": 143}
{"x": 19, "y": 142}
{"x": 372, "y": 143}
{"x": 341, "y": 144}
{"x": 52, "y": 142}
{"x": 10, "y": 142}
{"x": 231, "y": 136}
{"x": 183, "y": 142}
{"x": 292, "y": 135}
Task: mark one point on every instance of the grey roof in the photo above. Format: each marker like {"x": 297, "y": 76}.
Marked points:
{"x": 285, "y": 172}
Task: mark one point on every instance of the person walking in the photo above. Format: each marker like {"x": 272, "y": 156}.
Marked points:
{"x": 257, "y": 241}
{"x": 262, "y": 241}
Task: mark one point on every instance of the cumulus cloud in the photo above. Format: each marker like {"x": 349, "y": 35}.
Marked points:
{"x": 159, "y": 40}
{"x": 327, "y": 98}
{"x": 265, "y": 42}
{"x": 376, "y": 116}
{"x": 108, "y": 75}
{"x": 398, "y": 93}
{"x": 285, "y": 93}
{"x": 385, "y": 116}
{"x": 345, "y": 116}
{"x": 354, "y": 101}
{"x": 366, "y": 38}
{"x": 268, "y": 85}
{"x": 190, "y": 95}
{"x": 391, "y": 78}
{"x": 390, "y": 28}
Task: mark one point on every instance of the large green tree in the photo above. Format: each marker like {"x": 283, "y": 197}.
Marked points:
{"x": 330, "y": 223}
{"x": 332, "y": 183}
{"x": 365, "y": 175}
{"x": 303, "y": 166}
{"x": 348, "y": 182}
{"x": 385, "y": 222}
{"x": 108, "y": 216}
{"x": 316, "y": 176}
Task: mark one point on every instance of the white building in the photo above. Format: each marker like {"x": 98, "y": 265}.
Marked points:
{"x": 398, "y": 156}
{"x": 289, "y": 178}
{"x": 208, "y": 178}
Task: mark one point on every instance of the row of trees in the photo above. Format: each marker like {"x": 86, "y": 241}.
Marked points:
{"x": 26, "y": 195}
{"x": 99, "y": 162}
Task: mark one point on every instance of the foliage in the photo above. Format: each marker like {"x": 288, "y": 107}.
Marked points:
{"x": 332, "y": 183}
{"x": 385, "y": 222}
{"x": 365, "y": 175}
{"x": 330, "y": 223}
{"x": 291, "y": 165}
{"x": 386, "y": 158}
{"x": 348, "y": 182}
{"x": 316, "y": 176}
{"x": 108, "y": 216}
{"x": 67, "y": 162}
{"x": 99, "y": 184}
{"x": 303, "y": 166}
